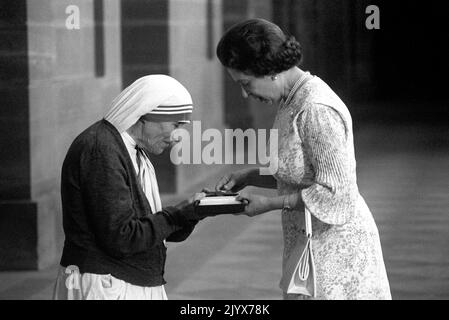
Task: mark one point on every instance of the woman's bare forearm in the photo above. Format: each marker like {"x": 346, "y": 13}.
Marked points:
{"x": 292, "y": 201}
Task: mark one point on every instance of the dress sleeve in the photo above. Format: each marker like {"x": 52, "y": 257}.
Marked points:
{"x": 331, "y": 198}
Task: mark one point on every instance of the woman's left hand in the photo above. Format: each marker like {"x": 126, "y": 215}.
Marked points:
{"x": 254, "y": 204}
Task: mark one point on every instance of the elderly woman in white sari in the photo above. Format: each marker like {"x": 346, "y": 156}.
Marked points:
{"x": 114, "y": 223}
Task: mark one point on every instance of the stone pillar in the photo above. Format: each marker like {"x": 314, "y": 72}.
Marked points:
{"x": 261, "y": 115}
{"x": 237, "y": 113}
{"x": 323, "y": 29}
{"x": 195, "y": 28}
{"x": 145, "y": 47}
{"x": 18, "y": 212}
{"x": 336, "y": 45}
{"x": 362, "y": 55}
{"x": 58, "y": 87}
{"x": 145, "y": 50}
{"x": 177, "y": 38}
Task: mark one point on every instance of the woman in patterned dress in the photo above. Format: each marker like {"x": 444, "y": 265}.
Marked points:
{"x": 316, "y": 163}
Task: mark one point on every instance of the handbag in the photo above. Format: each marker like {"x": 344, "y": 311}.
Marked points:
{"x": 298, "y": 276}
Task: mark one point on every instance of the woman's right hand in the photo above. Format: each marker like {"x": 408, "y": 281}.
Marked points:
{"x": 234, "y": 181}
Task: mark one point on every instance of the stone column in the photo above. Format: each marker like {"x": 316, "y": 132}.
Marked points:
{"x": 237, "y": 113}
{"x": 55, "y": 86}
{"x": 195, "y": 27}
{"x": 18, "y": 212}
{"x": 145, "y": 50}
{"x": 336, "y": 45}
{"x": 177, "y": 38}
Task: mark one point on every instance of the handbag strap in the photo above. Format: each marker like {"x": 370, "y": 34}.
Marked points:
{"x": 308, "y": 222}
{"x": 304, "y": 267}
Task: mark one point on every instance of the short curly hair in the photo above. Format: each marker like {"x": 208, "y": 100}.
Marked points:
{"x": 259, "y": 48}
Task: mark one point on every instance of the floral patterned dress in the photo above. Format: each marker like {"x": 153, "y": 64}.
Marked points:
{"x": 316, "y": 158}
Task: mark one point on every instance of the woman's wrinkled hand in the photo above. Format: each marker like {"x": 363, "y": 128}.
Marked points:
{"x": 254, "y": 204}
{"x": 190, "y": 200}
{"x": 187, "y": 206}
{"x": 197, "y": 196}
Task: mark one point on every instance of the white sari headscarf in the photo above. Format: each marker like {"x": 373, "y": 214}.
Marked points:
{"x": 153, "y": 94}
{"x": 157, "y": 96}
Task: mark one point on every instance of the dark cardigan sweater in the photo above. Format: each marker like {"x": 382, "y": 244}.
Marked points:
{"x": 108, "y": 224}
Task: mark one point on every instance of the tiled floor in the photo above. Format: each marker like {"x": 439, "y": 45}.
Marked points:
{"x": 403, "y": 173}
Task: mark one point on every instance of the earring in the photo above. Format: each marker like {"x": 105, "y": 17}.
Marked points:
{"x": 274, "y": 78}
